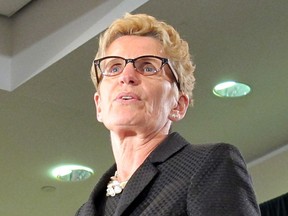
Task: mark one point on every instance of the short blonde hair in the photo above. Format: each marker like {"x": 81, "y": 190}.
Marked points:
{"x": 176, "y": 49}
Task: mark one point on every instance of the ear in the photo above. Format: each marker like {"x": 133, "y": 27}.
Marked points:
{"x": 97, "y": 101}
{"x": 179, "y": 111}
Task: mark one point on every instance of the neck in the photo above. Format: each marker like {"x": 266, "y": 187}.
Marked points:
{"x": 131, "y": 150}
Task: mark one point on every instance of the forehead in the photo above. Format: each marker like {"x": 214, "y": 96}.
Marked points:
{"x": 133, "y": 46}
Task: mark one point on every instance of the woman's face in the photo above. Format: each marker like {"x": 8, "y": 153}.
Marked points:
{"x": 134, "y": 102}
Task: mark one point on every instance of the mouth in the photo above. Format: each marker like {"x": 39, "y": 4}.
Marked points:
{"x": 127, "y": 97}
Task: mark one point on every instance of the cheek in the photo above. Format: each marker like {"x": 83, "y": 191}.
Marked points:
{"x": 101, "y": 106}
{"x": 105, "y": 92}
{"x": 104, "y": 106}
{"x": 164, "y": 101}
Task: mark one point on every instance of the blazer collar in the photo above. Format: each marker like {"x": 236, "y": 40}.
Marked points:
{"x": 172, "y": 144}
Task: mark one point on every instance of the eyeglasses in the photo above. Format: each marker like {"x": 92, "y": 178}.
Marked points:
{"x": 147, "y": 65}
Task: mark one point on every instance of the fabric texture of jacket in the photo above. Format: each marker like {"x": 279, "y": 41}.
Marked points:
{"x": 179, "y": 179}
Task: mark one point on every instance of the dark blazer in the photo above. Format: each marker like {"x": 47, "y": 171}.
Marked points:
{"x": 183, "y": 179}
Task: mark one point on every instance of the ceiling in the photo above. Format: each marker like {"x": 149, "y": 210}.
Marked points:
{"x": 8, "y": 8}
{"x": 47, "y": 115}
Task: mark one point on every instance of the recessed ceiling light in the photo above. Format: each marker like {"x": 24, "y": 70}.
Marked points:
{"x": 48, "y": 188}
{"x": 231, "y": 89}
{"x": 72, "y": 173}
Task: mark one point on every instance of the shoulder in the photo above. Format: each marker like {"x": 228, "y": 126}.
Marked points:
{"x": 179, "y": 153}
{"x": 218, "y": 158}
{"x": 215, "y": 150}
{"x": 219, "y": 161}
{"x": 210, "y": 151}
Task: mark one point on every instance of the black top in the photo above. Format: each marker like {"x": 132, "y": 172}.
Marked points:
{"x": 182, "y": 179}
{"x": 110, "y": 204}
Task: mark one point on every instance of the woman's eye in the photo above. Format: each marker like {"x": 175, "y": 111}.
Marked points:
{"x": 114, "y": 69}
{"x": 149, "y": 68}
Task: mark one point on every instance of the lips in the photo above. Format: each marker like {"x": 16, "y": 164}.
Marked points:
{"x": 127, "y": 96}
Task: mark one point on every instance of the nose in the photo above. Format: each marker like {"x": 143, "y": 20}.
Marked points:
{"x": 129, "y": 75}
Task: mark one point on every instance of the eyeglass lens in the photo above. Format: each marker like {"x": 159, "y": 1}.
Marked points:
{"x": 146, "y": 65}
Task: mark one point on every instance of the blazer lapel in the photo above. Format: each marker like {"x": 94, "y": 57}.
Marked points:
{"x": 141, "y": 178}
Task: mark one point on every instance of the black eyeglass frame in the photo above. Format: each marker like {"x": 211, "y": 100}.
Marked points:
{"x": 165, "y": 61}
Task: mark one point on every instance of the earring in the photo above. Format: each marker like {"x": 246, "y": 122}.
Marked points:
{"x": 175, "y": 115}
{"x": 99, "y": 117}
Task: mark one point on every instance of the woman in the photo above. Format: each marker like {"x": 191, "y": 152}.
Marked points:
{"x": 144, "y": 78}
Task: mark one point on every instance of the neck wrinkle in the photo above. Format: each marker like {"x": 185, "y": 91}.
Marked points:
{"x": 131, "y": 152}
